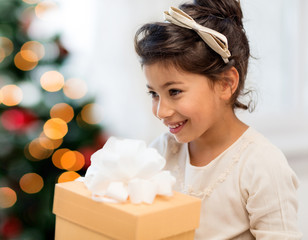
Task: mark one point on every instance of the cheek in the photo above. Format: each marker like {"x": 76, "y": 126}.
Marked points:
{"x": 154, "y": 108}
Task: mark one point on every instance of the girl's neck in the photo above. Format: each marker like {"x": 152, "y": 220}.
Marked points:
{"x": 215, "y": 141}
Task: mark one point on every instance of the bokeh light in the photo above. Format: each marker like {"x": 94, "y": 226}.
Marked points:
{"x": 2, "y": 54}
{"x": 52, "y": 81}
{"x": 72, "y": 160}
{"x": 37, "y": 151}
{"x": 22, "y": 63}
{"x": 31, "y": 183}
{"x": 49, "y": 143}
{"x": 31, "y": 1}
{"x": 11, "y": 95}
{"x": 32, "y": 51}
{"x": 1, "y": 97}
{"x": 44, "y": 8}
{"x": 75, "y": 88}
{"x": 6, "y": 47}
{"x": 57, "y": 156}
{"x": 63, "y": 111}
{"x": 91, "y": 113}
{"x": 68, "y": 176}
{"x": 55, "y": 128}
{"x": 12, "y": 119}
{"x": 8, "y": 197}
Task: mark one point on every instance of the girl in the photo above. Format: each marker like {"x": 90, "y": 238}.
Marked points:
{"x": 195, "y": 64}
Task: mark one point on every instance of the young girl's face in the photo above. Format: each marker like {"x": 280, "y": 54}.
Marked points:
{"x": 186, "y": 102}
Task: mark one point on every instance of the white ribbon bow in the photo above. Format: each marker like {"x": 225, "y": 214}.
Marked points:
{"x": 215, "y": 40}
{"x": 127, "y": 168}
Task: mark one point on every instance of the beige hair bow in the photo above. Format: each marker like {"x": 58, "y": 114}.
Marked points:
{"x": 215, "y": 40}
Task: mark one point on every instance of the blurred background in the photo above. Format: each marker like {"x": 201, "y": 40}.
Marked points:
{"x": 69, "y": 78}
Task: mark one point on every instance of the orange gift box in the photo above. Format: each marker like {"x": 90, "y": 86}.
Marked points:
{"x": 78, "y": 216}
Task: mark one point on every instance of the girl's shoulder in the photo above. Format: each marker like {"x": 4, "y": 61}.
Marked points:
{"x": 262, "y": 148}
{"x": 263, "y": 159}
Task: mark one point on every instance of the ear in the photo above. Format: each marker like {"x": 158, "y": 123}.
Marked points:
{"x": 229, "y": 83}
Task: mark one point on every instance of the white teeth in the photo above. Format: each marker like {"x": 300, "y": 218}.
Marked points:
{"x": 177, "y": 125}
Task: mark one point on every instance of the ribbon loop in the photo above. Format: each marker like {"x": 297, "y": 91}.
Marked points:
{"x": 127, "y": 168}
{"x": 215, "y": 40}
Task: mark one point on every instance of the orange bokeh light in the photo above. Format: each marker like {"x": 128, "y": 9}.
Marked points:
{"x": 31, "y": 183}
{"x": 29, "y": 56}
{"x": 31, "y": 1}
{"x": 56, "y": 157}
{"x": 1, "y": 97}
{"x": 68, "y": 176}
{"x": 75, "y": 88}
{"x": 22, "y": 63}
{"x": 6, "y": 45}
{"x": 55, "y": 128}
{"x": 63, "y": 111}
{"x": 32, "y": 51}
{"x": 91, "y": 113}
{"x": 44, "y": 7}
{"x": 72, "y": 160}
{"x": 11, "y": 95}
{"x": 2, "y": 54}
{"x": 37, "y": 151}
{"x": 8, "y": 197}
{"x": 49, "y": 143}
{"x": 52, "y": 81}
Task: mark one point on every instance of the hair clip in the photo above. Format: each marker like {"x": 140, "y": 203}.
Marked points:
{"x": 215, "y": 40}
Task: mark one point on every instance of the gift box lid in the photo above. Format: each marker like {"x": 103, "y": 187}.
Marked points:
{"x": 167, "y": 216}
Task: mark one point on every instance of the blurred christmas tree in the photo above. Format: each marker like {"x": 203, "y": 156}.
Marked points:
{"x": 49, "y": 126}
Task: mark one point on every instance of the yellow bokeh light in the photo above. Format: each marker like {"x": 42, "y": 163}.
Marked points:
{"x": 6, "y": 45}
{"x": 23, "y": 64}
{"x": 52, "y": 81}
{"x": 1, "y": 97}
{"x": 31, "y": 183}
{"x": 31, "y": 1}
{"x": 49, "y": 143}
{"x": 68, "y": 176}
{"x": 55, "y": 128}
{"x": 79, "y": 163}
{"x": 8, "y": 197}
{"x": 63, "y": 111}
{"x": 37, "y": 151}
{"x": 56, "y": 157}
{"x": 2, "y": 54}
{"x": 32, "y": 51}
{"x": 91, "y": 113}
{"x": 72, "y": 160}
{"x": 29, "y": 56}
{"x": 11, "y": 95}
{"x": 75, "y": 88}
{"x": 68, "y": 160}
{"x": 44, "y": 7}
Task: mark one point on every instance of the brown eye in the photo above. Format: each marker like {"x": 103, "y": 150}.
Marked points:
{"x": 174, "y": 92}
{"x": 153, "y": 94}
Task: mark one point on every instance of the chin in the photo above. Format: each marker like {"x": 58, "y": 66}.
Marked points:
{"x": 180, "y": 139}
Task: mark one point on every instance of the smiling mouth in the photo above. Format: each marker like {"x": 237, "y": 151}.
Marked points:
{"x": 175, "y": 128}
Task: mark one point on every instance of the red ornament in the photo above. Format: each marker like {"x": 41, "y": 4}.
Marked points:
{"x": 87, "y": 153}
{"x": 10, "y": 228}
{"x": 17, "y": 119}
{"x": 100, "y": 141}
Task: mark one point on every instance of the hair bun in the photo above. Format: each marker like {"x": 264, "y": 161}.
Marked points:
{"x": 229, "y": 9}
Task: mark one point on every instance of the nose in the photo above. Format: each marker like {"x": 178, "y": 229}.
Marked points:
{"x": 162, "y": 109}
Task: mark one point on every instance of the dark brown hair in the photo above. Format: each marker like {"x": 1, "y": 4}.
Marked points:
{"x": 183, "y": 48}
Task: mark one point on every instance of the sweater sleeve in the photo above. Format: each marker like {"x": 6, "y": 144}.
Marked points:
{"x": 269, "y": 190}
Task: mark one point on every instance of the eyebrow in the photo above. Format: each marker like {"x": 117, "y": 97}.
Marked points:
{"x": 167, "y": 84}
